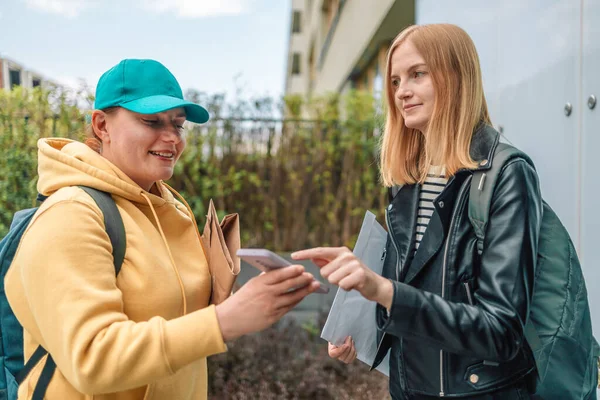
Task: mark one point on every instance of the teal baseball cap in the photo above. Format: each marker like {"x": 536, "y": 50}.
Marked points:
{"x": 144, "y": 87}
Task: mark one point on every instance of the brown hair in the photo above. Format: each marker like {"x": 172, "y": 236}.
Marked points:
{"x": 407, "y": 154}
{"x": 93, "y": 141}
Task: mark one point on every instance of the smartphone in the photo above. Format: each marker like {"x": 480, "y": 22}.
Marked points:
{"x": 265, "y": 260}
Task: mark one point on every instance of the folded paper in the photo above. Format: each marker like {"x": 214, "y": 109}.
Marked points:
{"x": 221, "y": 242}
{"x": 353, "y": 315}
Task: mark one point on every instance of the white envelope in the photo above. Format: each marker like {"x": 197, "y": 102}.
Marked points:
{"x": 353, "y": 315}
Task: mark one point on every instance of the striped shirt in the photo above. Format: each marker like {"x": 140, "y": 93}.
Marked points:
{"x": 432, "y": 187}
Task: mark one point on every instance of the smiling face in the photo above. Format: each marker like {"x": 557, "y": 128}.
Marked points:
{"x": 143, "y": 146}
{"x": 411, "y": 82}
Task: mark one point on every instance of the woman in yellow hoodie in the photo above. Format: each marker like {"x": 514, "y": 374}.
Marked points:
{"x": 145, "y": 333}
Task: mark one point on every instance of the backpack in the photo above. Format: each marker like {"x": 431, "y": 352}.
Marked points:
{"x": 12, "y": 368}
{"x": 558, "y": 328}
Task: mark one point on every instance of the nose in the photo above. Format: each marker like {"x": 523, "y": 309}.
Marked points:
{"x": 171, "y": 134}
{"x": 403, "y": 92}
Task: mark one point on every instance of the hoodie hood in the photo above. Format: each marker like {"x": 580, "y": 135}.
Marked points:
{"x": 64, "y": 162}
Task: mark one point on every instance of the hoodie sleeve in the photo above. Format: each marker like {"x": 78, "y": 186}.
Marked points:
{"x": 67, "y": 276}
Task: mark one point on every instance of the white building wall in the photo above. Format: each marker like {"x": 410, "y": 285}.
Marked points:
{"x": 298, "y": 43}
{"x": 27, "y": 76}
{"x": 359, "y": 20}
{"x": 5, "y": 76}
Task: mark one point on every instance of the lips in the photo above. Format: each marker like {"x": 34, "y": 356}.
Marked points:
{"x": 167, "y": 154}
{"x": 410, "y": 106}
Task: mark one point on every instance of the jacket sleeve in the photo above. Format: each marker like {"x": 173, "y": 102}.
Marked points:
{"x": 66, "y": 272}
{"x": 493, "y": 328}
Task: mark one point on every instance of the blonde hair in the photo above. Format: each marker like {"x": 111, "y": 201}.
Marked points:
{"x": 450, "y": 54}
{"x": 92, "y": 140}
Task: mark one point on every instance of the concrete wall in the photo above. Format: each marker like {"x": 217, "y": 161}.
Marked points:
{"x": 298, "y": 43}
{"x": 27, "y": 76}
{"x": 340, "y": 45}
{"x": 357, "y": 24}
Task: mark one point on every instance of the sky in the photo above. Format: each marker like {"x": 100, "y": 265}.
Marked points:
{"x": 214, "y": 46}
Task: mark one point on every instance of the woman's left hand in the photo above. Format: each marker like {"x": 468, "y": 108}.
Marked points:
{"x": 346, "y": 353}
{"x": 341, "y": 267}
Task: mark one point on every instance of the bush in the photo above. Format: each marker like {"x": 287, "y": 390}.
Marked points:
{"x": 25, "y": 117}
{"x": 295, "y": 183}
{"x": 289, "y": 362}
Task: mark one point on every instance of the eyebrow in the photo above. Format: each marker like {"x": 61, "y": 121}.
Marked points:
{"x": 412, "y": 67}
{"x": 417, "y": 66}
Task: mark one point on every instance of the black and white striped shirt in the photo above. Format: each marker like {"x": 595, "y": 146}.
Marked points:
{"x": 432, "y": 187}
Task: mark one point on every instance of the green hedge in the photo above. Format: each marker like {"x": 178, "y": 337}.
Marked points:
{"x": 295, "y": 182}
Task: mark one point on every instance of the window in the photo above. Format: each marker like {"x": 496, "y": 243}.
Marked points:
{"x": 296, "y": 64}
{"x": 14, "y": 78}
{"x": 296, "y": 28}
{"x": 36, "y": 82}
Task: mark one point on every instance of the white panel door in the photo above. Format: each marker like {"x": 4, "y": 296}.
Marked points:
{"x": 538, "y": 58}
{"x": 590, "y": 182}
{"x": 480, "y": 20}
{"x": 529, "y": 51}
{"x": 539, "y": 43}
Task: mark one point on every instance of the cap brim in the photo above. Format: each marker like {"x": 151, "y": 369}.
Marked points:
{"x": 157, "y": 104}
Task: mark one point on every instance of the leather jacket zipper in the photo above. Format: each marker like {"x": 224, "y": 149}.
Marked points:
{"x": 465, "y": 184}
{"x": 387, "y": 220}
{"x": 468, "y": 290}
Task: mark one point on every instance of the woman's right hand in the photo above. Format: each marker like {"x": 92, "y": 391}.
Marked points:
{"x": 345, "y": 353}
{"x": 263, "y": 300}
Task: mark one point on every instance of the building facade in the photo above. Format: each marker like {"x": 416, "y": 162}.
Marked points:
{"x": 13, "y": 74}
{"x": 336, "y": 45}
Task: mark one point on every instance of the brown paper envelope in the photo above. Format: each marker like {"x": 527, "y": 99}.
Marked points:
{"x": 221, "y": 242}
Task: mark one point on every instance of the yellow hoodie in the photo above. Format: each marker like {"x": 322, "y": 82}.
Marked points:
{"x": 144, "y": 334}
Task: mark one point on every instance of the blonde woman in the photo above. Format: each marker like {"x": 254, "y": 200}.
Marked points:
{"x": 144, "y": 333}
{"x": 454, "y": 320}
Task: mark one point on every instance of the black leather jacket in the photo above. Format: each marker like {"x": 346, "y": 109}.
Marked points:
{"x": 456, "y": 323}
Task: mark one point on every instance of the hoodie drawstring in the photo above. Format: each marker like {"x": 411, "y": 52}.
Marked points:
{"x": 180, "y": 197}
{"x": 168, "y": 251}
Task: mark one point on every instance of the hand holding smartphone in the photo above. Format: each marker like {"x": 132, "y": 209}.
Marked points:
{"x": 265, "y": 260}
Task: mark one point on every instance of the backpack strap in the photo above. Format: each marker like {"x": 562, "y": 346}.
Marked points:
{"x": 480, "y": 200}
{"x": 113, "y": 223}
{"x": 32, "y": 362}
{"x": 115, "y": 229}
{"x": 44, "y": 380}
{"x": 393, "y": 191}
{"x": 482, "y": 190}
{"x": 45, "y": 377}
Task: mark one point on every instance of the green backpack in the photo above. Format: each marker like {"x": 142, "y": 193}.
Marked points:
{"x": 559, "y": 327}
{"x": 12, "y": 369}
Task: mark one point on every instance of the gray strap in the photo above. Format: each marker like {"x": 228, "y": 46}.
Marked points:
{"x": 480, "y": 200}
{"x": 393, "y": 191}
{"x": 482, "y": 190}
{"x": 113, "y": 223}
{"x": 532, "y": 337}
